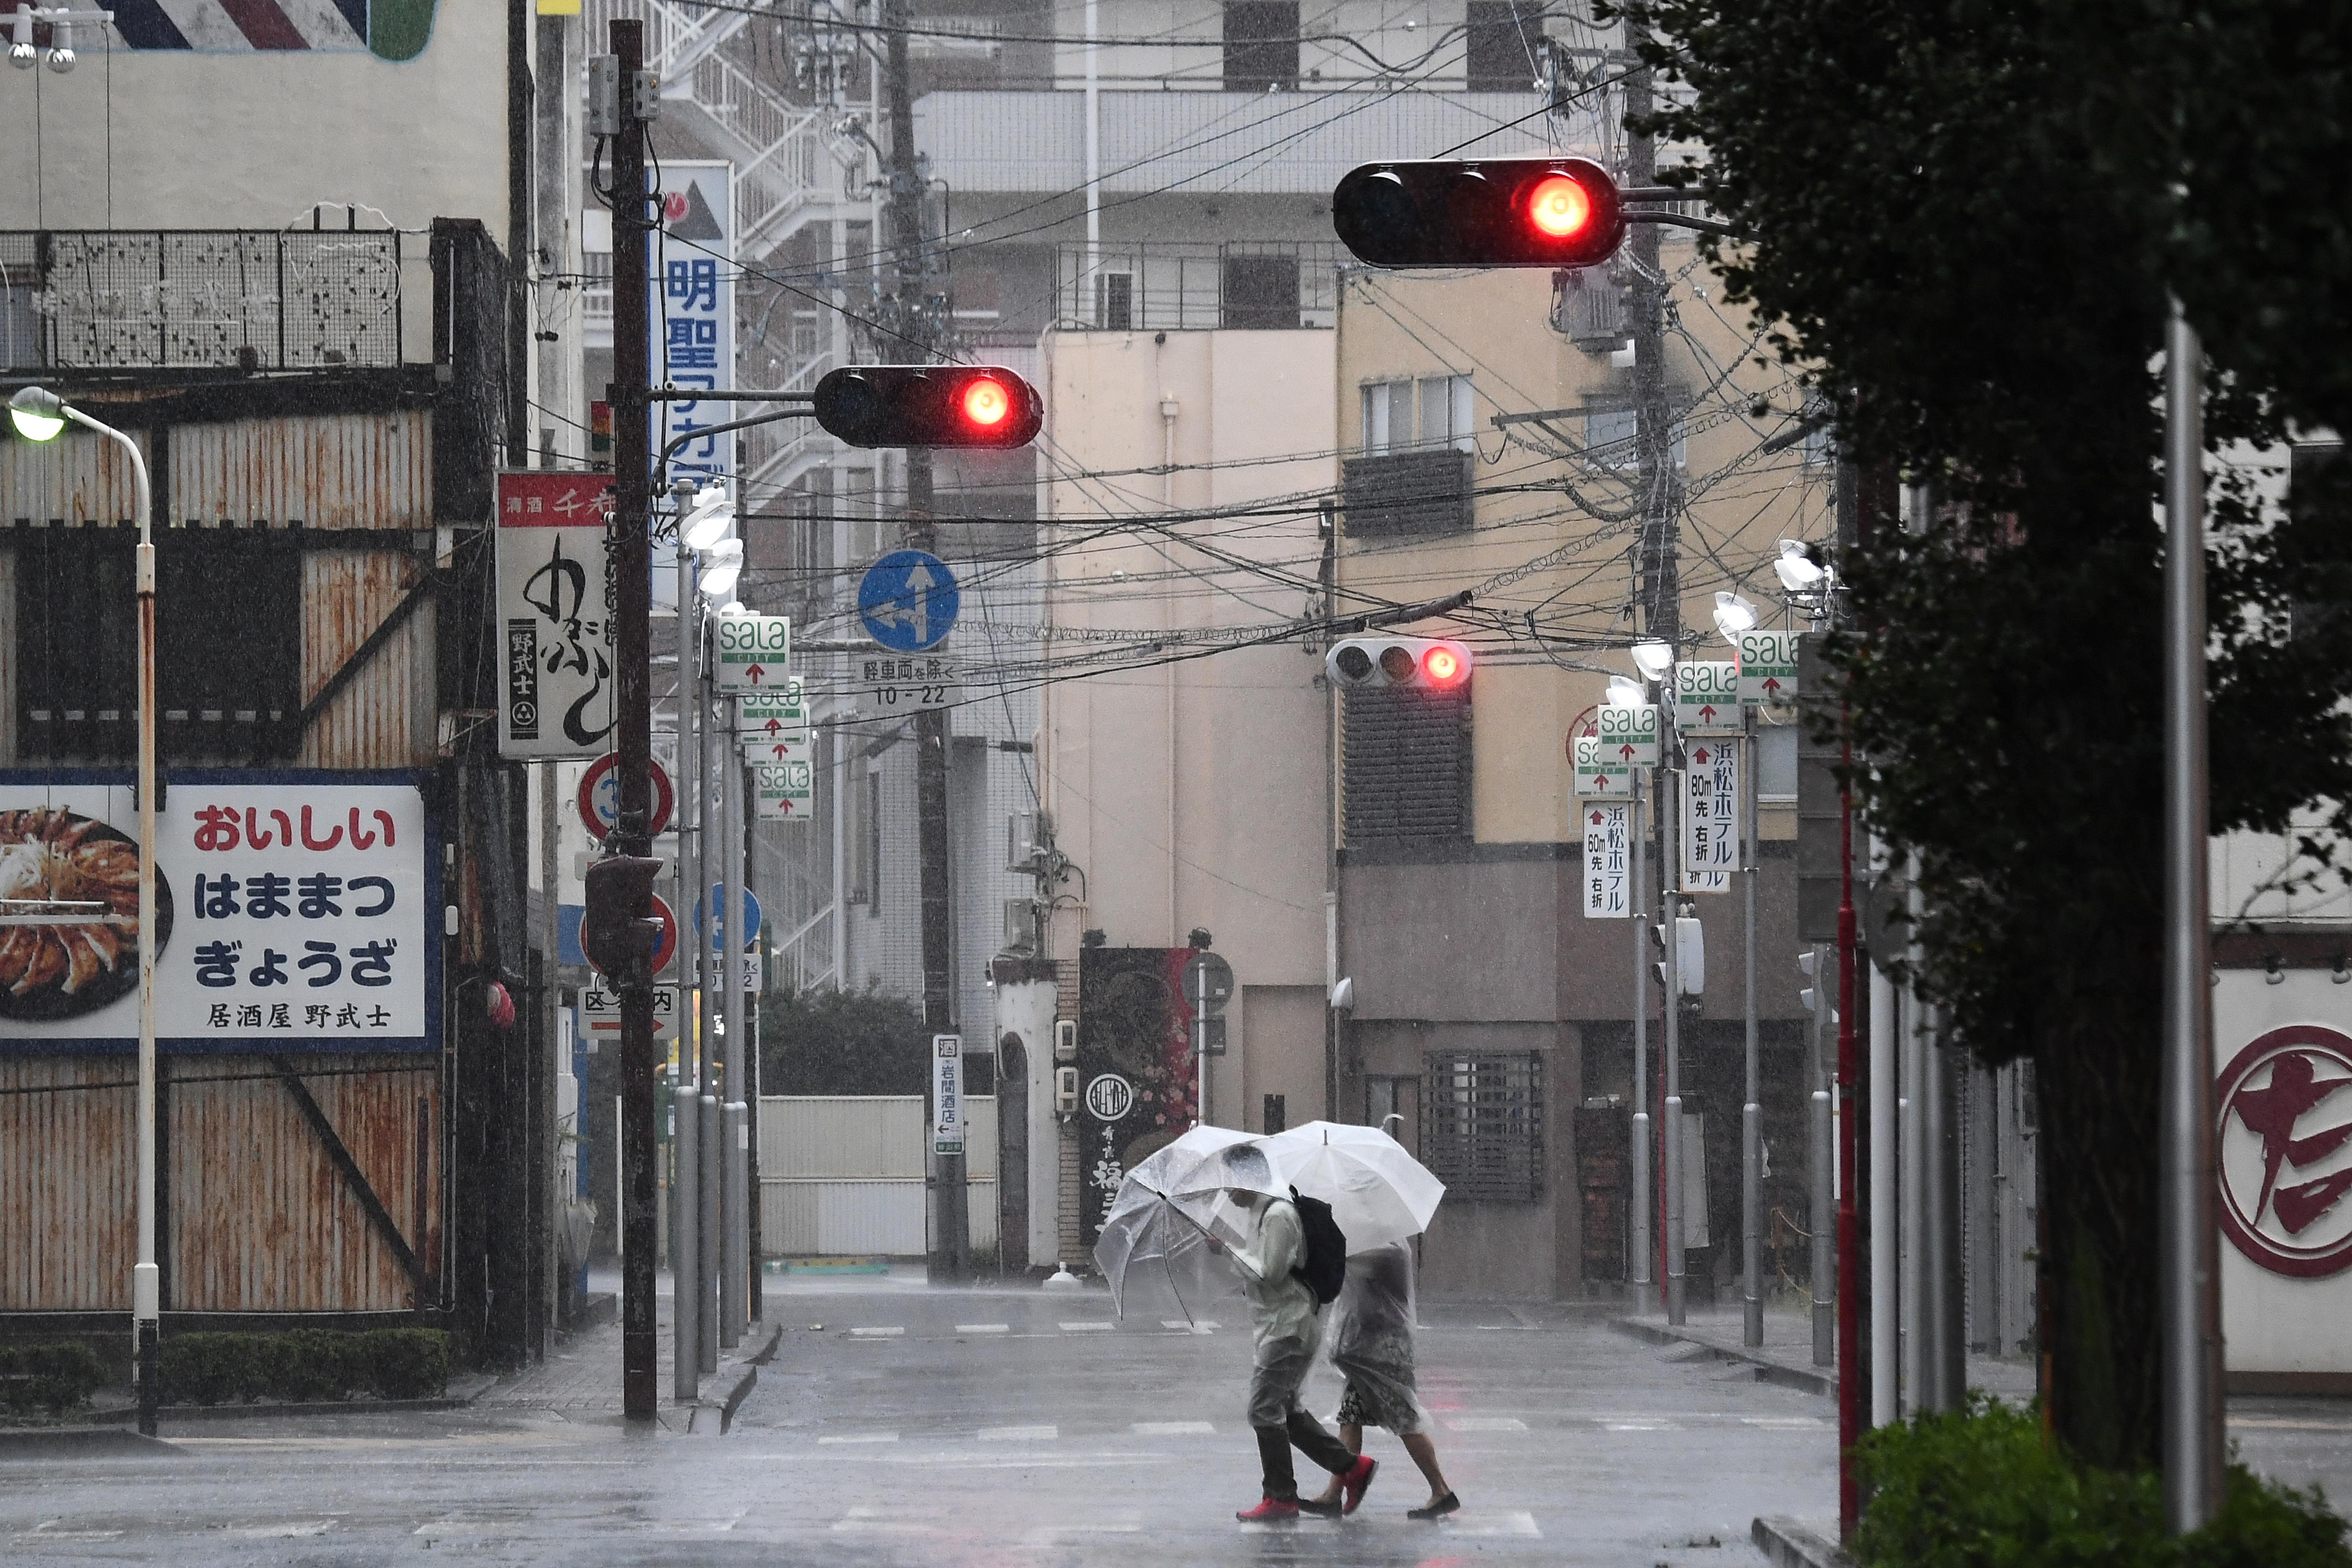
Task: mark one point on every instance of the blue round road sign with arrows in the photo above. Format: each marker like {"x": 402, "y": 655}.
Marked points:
{"x": 908, "y": 600}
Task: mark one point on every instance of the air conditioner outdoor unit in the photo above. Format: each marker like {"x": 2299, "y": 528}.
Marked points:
{"x": 1020, "y": 926}
{"x": 1021, "y": 845}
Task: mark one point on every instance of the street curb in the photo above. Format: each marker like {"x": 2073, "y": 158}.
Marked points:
{"x": 470, "y": 1389}
{"x": 1819, "y": 1381}
{"x": 78, "y": 1443}
{"x": 1791, "y": 1545}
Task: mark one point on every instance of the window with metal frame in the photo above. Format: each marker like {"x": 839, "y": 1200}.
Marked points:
{"x": 1482, "y": 1124}
{"x": 1406, "y": 762}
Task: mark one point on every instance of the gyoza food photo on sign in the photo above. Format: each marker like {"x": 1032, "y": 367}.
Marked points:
{"x": 291, "y": 914}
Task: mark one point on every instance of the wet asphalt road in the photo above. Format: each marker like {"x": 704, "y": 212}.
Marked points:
{"x": 900, "y": 1425}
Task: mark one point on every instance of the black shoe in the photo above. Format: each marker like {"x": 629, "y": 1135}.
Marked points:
{"x": 1438, "y": 1510}
{"x": 1318, "y": 1508}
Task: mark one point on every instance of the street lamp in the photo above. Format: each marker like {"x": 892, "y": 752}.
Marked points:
{"x": 1733, "y": 616}
{"x": 1653, "y": 659}
{"x": 1626, "y": 692}
{"x": 1798, "y": 570}
{"x": 40, "y": 415}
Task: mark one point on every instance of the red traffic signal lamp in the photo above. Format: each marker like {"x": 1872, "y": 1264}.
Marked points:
{"x": 1431, "y": 663}
{"x": 929, "y": 405}
{"x": 1492, "y": 212}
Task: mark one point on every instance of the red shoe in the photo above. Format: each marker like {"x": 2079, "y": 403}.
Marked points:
{"x": 1356, "y": 1482}
{"x": 1269, "y": 1510}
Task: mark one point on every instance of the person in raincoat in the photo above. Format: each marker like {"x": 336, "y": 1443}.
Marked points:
{"x": 1286, "y": 1328}
{"x": 1372, "y": 1345}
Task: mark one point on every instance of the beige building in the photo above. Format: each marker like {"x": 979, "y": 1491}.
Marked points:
{"x": 1486, "y": 1009}
{"x": 1184, "y": 773}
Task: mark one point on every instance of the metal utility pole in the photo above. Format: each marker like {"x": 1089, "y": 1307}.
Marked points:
{"x": 1943, "y": 1351}
{"x": 632, "y": 654}
{"x": 685, "y": 1247}
{"x": 1751, "y": 1113}
{"x": 1660, "y": 499}
{"x": 912, "y": 319}
{"x": 729, "y": 963}
{"x": 2188, "y": 1269}
{"x": 1885, "y": 1245}
{"x": 1640, "y": 1272}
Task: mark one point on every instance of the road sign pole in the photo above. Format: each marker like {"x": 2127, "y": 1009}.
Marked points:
{"x": 710, "y": 1050}
{"x": 1752, "y": 1114}
{"x": 1640, "y": 1244}
{"x": 728, "y": 927}
{"x": 686, "y": 1324}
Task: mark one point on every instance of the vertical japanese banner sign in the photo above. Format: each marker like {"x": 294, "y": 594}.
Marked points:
{"x": 946, "y": 1094}
{"x": 1711, "y": 816}
{"x": 1608, "y": 827}
{"x": 556, "y": 588}
{"x": 292, "y": 915}
{"x": 694, "y": 328}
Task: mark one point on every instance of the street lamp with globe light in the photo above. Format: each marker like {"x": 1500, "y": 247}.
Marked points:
{"x": 40, "y": 415}
{"x": 1733, "y": 614}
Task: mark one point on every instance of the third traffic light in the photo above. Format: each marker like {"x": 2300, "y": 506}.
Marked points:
{"x": 929, "y": 405}
{"x": 1489, "y": 212}
{"x": 1378, "y": 661}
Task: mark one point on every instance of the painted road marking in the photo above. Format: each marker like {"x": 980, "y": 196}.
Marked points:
{"x": 862, "y": 1437}
{"x": 1643, "y": 1427}
{"x": 290, "y": 1529}
{"x": 1018, "y": 1433}
{"x": 1783, "y": 1422}
{"x": 1485, "y": 1424}
{"x": 1183, "y": 1326}
{"x": 1090, "y": 1326}
{"x": 875, "y": 1333}
{"x": 1175, "y": 1430}
{"x": 1513, "y": 1523}
{"x": 983, "y": 1328}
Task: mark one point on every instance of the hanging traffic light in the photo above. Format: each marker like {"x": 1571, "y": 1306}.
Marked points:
{"x": 615, "y": 937}
{"x": 1432, "y": 663}
{"x": 1492, "y": 211}
{"x": 929, "y": 405}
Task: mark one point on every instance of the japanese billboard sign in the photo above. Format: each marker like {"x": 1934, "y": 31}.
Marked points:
{"x": 1711, "y": 816}
{"x": 1706, "y": 696}
{"x": 782, "y": 792}
{"x": 1768, "y": 667}
{"x": 1599, "y": 775}
{"x": 1608, "y": 843}
{"x": 908, "y": 683}
{"x": 694, "y": 322}
{"x": 1630, "y": 734}
{"x": 600, "y": 1010}
{"x": 946, "y": 1094}
{"x": 556, "y": 587}
{"x": 294, "y": 912}
{"x": 754, "y": 651}
{"x": 760, "y": 715}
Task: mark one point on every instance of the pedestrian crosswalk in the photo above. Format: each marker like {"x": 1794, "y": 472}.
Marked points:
{"x": 1465, "y": 1425}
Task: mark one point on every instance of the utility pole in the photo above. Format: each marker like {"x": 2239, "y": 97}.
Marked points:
{"x": 1660, "y": 500}
{"x": 912, "y": 319}
{"x": 632, "y": 654}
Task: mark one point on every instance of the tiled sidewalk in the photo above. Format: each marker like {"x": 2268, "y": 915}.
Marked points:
{"x": 582, "y": 1376}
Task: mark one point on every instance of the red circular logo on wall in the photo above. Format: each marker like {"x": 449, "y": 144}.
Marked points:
{"x": 2283, "y": 1151}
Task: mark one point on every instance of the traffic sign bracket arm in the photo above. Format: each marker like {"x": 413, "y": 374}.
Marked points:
{"x": 1676, "y": 220}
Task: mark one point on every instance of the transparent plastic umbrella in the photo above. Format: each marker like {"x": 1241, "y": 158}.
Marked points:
{"x": 1378, "y": 1192}
{"x": 1154, "y": 1242}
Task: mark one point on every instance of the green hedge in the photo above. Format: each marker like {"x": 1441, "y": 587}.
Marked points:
{"x": 304, "y": 1364}
{"x": 52, "y": 1376}
{"x": 1983, "y": 1489}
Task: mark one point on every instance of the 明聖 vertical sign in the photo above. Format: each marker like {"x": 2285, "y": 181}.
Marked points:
{"x": 694, "y": 320}
{"x": 1768, "y": 667}
{"x": 1706, "y": 696}
{"x": 555, "y": 614}
{"x": 1607, "y": 831}
{"x": 946, "y": 1094}
{"x": 754, "y": 651}
{"x": 1599, "y": 775}
{"x": 1711, "y": 816}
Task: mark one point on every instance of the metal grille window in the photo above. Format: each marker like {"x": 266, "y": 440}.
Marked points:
{"x": 1260, "y": 44}
{"x": 1482, "y": 1124}
{"x": 1408, "y": 763}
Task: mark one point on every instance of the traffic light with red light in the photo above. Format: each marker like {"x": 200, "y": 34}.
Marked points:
{"x": 1492, "y": 212}
{"x": 1432, "y": 663}
{"x": 615, "y": 936}
{"x": 929, "y": 405}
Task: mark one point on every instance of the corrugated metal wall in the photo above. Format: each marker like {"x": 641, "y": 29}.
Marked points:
{"x": 383, "y": 719}
{"x": 344, "y": 470}
{"x": 68, "y": 1230}
{"x": 261, "y": 1221}
{"x": 257, "y": 1216}
{"x": 78, "y": 478}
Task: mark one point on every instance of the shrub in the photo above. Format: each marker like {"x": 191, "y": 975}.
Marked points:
{"x": 52, "y": 1376}
{"x": 1983, "y": 1488}
{"x": 304, "y": 1365}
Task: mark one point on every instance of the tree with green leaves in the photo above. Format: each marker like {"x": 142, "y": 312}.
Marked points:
{"x": 1965, "y": 217}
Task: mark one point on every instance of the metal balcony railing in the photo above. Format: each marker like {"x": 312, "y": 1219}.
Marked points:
{"x": 1148, "y": 286}
{"x": 188, "y": 299}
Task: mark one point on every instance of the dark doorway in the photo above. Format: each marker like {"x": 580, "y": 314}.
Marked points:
{"x": 1277, "y": 1115}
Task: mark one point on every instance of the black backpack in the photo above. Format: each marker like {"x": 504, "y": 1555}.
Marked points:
{"x": 1326, "y": 1267}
